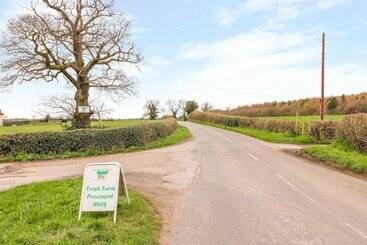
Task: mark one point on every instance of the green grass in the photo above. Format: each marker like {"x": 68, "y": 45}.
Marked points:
{"x": 181, "y": 134}
{"x": 58, "y": 126}
{"x": 339, "y": 154}
{"x": 46, "y": 213}
{"x": 268, "y": 136}
{"x": 311, "y": 118}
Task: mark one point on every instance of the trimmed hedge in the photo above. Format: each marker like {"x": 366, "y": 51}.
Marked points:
{"x": 248, "y": 122}
{"x": 354, "y": 130}
{"x": 325, "y": 131}
{"x": 87, "y": 139}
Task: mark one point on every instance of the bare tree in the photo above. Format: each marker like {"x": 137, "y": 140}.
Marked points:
{"x": 100, "y": 110}
{"x": 84, "y": 42}
{"x": 152, "y": 109}
{"x": 63, "y": 106}
{"x": 175, "y": 107}
{"x": 206, "y": 106}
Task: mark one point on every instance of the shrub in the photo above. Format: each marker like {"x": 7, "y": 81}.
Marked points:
{"x": 87, "y": 139}
{"x": 354, "y": 130}
{"x": 323, "y": 130}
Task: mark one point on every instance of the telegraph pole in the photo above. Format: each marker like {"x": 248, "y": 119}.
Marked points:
{"x": 322, "y": 101}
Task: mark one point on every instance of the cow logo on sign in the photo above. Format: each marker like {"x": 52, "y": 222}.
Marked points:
{"x": 102, "y": 174}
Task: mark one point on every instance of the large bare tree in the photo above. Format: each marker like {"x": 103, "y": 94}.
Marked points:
{"x": 85, "y": 42}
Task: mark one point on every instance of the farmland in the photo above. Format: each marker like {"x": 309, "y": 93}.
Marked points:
{"x": 58, "y": 126}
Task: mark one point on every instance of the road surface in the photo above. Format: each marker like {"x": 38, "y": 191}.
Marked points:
{"x": 226, "y": 188}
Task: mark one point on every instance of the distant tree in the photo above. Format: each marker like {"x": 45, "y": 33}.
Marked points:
{"x": 47, "y": 118}
{"x": 175, "y": 107}
{"x": 332, "y": 104}
{"x": 190, "y": 107}
{"x": 62, "y": 106}
{"x": 82, "y": 42}
{"x": 206, "y": 106}
{"x": 100, "y": 110}
{"x": 151, "y": 109}
{"x": 343, "y": 98}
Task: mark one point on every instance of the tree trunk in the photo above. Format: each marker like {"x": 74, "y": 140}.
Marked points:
{"x": 81, "y": 120}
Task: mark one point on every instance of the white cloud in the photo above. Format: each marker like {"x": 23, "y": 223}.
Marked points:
{"x": 225, "y": 17}
{"x": 243, "y": 45}
{"x": 281, "y": 11}
{"x": 327, "y": 4}
{"x": 262, "y": 66}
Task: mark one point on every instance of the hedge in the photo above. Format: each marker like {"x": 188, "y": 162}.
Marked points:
{"x": 354, "y": 130}
{"x": 248, "y": 122}
{"x": 87, "y": 139}
{"x": 325, "y": 131}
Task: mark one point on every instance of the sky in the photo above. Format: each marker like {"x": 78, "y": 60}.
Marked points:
{"x": 229, "y": 53}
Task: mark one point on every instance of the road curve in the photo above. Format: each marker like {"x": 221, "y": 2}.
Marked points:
{"x": 246, "y": 191}
{"x": 227, "y": 188}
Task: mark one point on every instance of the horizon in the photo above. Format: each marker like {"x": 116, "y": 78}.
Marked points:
{"x": 230, "y": 54}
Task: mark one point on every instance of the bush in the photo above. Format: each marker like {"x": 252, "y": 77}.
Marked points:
{"x": 354, "y": 130}
{"x": 87, "y": 139}
{"x": 325, "y": 131}
{"x": 247, "y": 122}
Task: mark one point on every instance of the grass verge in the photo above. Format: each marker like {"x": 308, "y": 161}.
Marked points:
{"x": 181, "y": 134}
{"x": 46, "y": 213}
{"x": 268, "y": 136}
{"x": 339, "y": 154}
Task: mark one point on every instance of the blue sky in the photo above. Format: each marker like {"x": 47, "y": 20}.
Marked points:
{"x": 229, "y": 53}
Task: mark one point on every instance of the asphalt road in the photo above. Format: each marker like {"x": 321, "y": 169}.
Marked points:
{"x": 226, "y": 188}
{"x": 247, "y": 191}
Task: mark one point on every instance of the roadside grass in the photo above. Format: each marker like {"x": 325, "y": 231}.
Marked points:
{"x": 285, "y": 138}
{"x": 181, "y": 134}
{"x": 339, "y": 154}
{"x": 310, "y": 118}
{"x": 46, "y": 213}
{"x": 58, "y": 126}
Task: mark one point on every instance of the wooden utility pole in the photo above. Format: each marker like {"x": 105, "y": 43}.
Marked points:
{"x": 322, "y": 101}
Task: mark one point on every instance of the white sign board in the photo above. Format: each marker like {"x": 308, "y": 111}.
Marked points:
{"x": 101, "y": 185}
{"x": 83, "y": 109}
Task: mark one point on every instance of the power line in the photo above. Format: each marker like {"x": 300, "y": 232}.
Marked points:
{"x": 331, "y": 27}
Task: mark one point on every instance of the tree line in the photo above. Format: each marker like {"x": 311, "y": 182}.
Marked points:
{"x": 344, "y": 104}
{"x": 178, "y": 109}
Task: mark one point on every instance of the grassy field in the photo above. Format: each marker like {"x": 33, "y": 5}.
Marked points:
{"x": 337, "y": 118}
{"x": 46, "y": 213}
{"x": 58, "y": 126}
{"x": 268, "y": 136}
{"x": 341, "y": 155}
{"x": 180, "y": 135}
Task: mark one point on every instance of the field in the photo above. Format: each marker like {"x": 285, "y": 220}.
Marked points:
{"x": 337, "y": 118}
{"x": 58, "y": 126}
{"x": 46, "y": 213}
